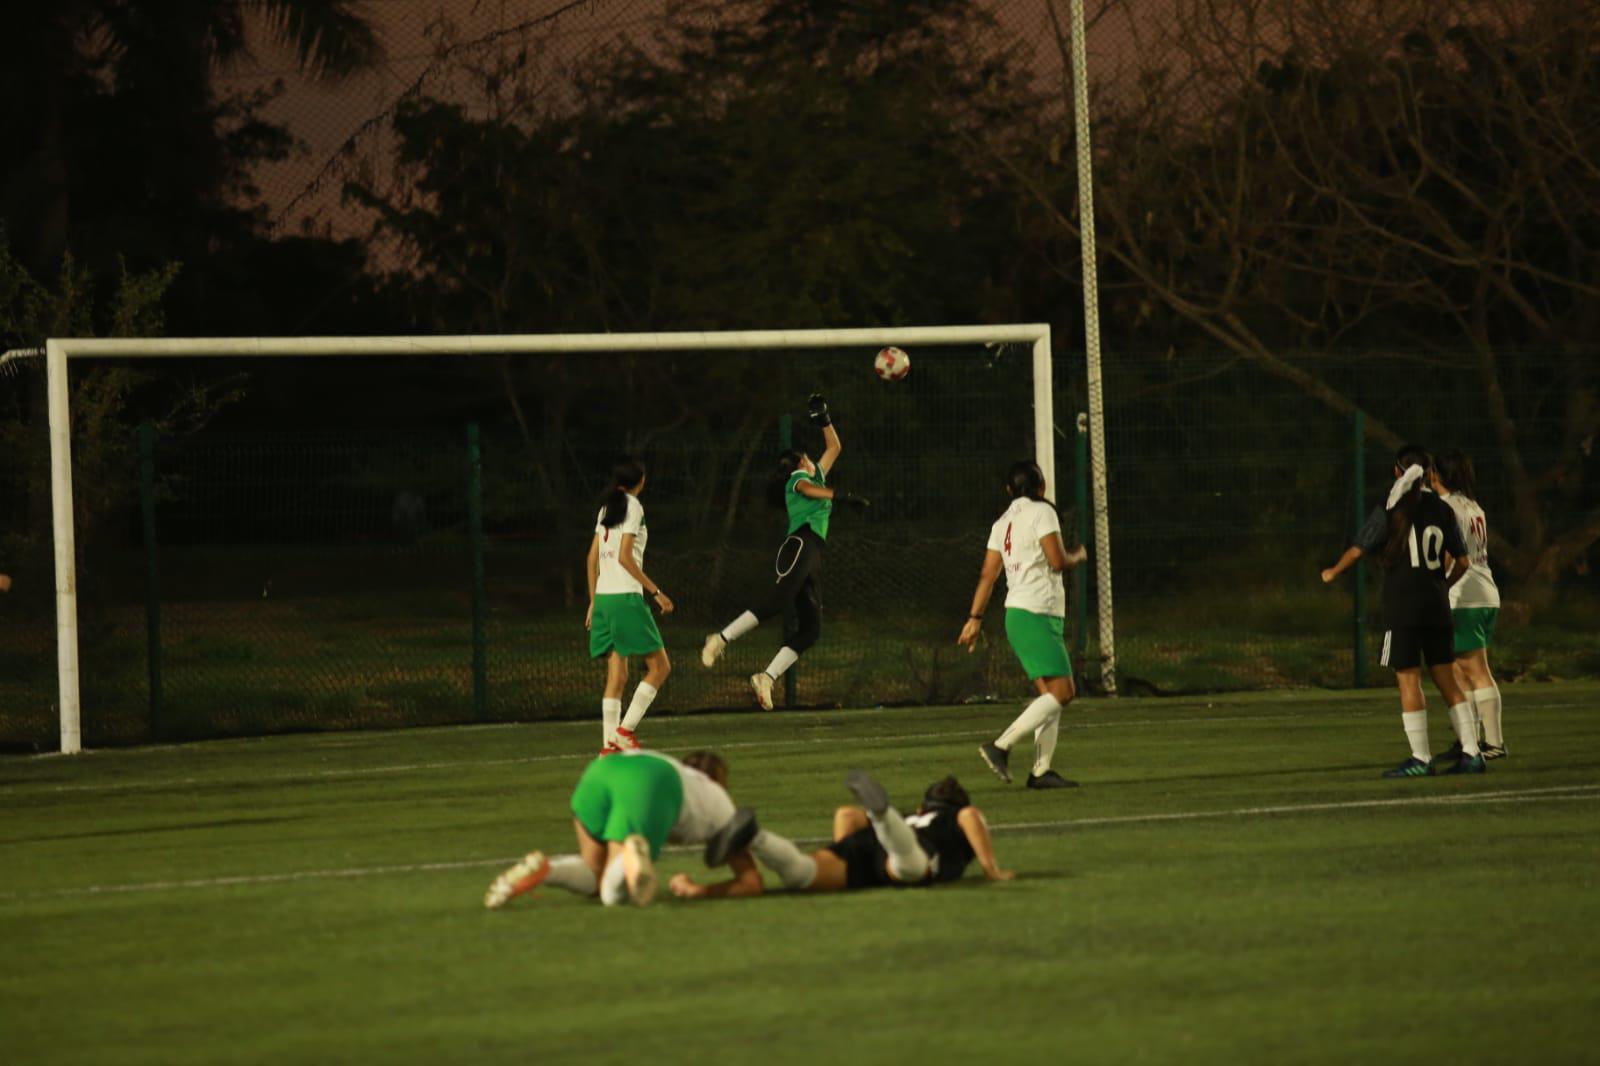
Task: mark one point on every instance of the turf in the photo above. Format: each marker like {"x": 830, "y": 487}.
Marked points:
{"x": 1232, "y": 883}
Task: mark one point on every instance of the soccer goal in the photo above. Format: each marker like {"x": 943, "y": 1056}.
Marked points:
{"x": 927, "y": 449}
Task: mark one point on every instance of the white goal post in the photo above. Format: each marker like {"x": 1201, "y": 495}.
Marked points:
{"x": 59, "y": 352}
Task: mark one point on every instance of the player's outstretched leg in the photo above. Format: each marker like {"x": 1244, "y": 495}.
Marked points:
{"x": 529, "y": 873}
{"x": 997, "y": 759}
{"x": 907, "y": 860}
{"x": 717, "y": 643}
{"x": 736, "y": 835}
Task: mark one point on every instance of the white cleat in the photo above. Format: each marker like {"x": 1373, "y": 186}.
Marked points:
{"x": 523, "y": 877}
{"x": 638, "y": 872}
{"x": 761, "y": 685}
{"x": 714, "y": 647}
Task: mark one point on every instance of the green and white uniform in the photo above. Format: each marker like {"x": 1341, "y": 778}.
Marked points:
{"x": 1036, "y": 598}
{"x": 651, "y": 794}
{"x": 1475, "y": 599}
{"x": 622, "y": 621}
{"x": 804, "y": 510}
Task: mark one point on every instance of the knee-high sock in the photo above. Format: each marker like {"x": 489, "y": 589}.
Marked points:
{"x": 740, "y": 626}
{"x": 907, "y": 860}
{"x": 1416, "y": 725}
{"x": 1487, "y": 701}
{"x": 614, "y": 883}
{"x": 1465, "y": 721}
{"x": 779, "y": 854}
{"x": 573, "y": 874}
{"x": 1044, "y": 743}
{"x": 1032, "y": 717}
{"x": 610, "y": 718}
{"x": 785, "y": 658}
{"x": 643, "y": 697}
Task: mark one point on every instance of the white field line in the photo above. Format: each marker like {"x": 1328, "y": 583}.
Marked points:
{"x": 1555, "y": 793}
{"x": 782, "y": 742}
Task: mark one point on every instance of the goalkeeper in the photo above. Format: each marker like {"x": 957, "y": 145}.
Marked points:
{"x": 809, "y": 500}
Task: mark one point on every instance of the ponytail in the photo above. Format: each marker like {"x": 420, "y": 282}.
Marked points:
{"x": 627, "y": 473}
{"x": 1403, "y": 510}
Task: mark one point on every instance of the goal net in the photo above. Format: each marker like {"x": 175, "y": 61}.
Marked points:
{"x": 391, "y": 531}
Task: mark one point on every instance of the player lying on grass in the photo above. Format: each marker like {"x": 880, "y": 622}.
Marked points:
{"x": 873, "y": 846}
{"x": 798, "y": 566}
{"x": 624, "y": 809}
{"x": 1025, "y": 543}
{"x": 1420, "y": 549}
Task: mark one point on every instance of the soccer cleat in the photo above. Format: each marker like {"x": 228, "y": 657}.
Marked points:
{"x": 1412, "y": 767}
{"x": 610, "y": 748}
{"x": 1050, "y": 779}
{"x": 625, "y": 740}
{"x": 1451, "y": 754}
{"x": 873, "y": 796}
{"x": 1468, "y": 765}
{"x": 734, "y": 836}
{"x": 996, "y": 757}
{"x": 715, "y": 645}
{"x": 638, "y": 871}
{"x": 523, "y": 877}
{"x": 761, "y": 685}
{"x": 1491, "y": 752}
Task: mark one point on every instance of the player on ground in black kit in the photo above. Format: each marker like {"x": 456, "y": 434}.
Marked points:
{"x": 1419, "y": 546}
{"x": 798, "y": 567}
{"x": 873, "y": 846}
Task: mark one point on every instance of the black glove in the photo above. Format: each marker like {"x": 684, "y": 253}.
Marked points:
{"x": 817, "y": 410}
{"x": 858, "y": 502}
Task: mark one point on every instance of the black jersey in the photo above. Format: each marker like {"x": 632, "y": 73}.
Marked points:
{"x": 1414, "y": 590}
{"x": 941, "y": 836}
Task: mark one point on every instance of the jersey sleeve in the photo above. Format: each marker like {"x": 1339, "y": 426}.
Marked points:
{"x": 1046, "y": 521}
{"x": 997, "y": 536}
{"x": 635, "y": 519}
{"x": 1375, "y": 530}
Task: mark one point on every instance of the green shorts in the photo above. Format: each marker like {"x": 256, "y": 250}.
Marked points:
{"x": 1040, "y": 643}
{"x": 1474, "y": 627}
{"x": 622, "y": 623}
{"x": 620, "y": 795}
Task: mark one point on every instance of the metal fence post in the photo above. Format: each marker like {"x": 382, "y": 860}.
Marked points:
{"x": 1359, "y": 626}
{"x": 480, "y": 650}
{"x": 1080, "y": 511}
{"x": 790, "y": 620}
{"x": 152, "y": 573}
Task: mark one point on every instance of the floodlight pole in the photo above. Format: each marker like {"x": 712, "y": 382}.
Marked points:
{"x": 65, "y": 547}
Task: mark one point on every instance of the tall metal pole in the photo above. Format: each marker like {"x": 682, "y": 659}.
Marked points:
{"x": 1359, "y": 621}
{"x": 65, "y": 547}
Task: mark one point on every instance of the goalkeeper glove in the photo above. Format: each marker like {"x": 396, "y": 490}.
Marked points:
{"x": 858, "y": 502}
{"x": 817, "y": 410}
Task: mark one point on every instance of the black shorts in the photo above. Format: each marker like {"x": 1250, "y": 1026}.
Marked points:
{"x": 1407, "y": 647}
{"x": 866, "y": 864}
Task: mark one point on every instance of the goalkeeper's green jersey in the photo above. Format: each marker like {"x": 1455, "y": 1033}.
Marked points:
{"x": 803, "y": 510}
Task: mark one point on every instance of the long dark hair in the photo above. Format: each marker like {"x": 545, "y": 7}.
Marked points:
{"x": 1026, "y": 481}
{"x": 625, "y": 474}
{"x": 788, "y": 463}
{"x": 1404, "y": 512}
{"x": 1456, "y": 473}
{"x": 945, "y": 794}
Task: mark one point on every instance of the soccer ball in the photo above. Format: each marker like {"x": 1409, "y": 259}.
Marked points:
{"x": 892, "y": 364}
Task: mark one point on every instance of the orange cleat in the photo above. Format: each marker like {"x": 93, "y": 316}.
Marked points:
{"x": 525, "y": 876}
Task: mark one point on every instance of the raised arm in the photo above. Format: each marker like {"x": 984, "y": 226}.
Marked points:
{"x": 980, "y": 599}
{"x": 817, "y": 411}
{"x": 976, "y": 831}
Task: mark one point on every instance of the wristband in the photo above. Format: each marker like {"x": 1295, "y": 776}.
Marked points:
{"x": 976, "y": 617}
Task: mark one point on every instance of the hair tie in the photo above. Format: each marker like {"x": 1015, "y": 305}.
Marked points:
{"x": 1402, "y": 485}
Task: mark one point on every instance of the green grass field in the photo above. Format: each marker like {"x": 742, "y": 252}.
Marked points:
{"x": 1233, "y": 883}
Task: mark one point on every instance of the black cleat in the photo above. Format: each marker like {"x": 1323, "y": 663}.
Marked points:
{"x": 1050, "y": 779}
{"x": 873, "y": 796}
{"x": 1451, "y": 754}
{"x": 1468, "y": 765}
{"x": 1491, "y": 752}
{"x": 735, "y": 836}
{"x": 1412, "y": 767}
{"x": 996, "y": 757}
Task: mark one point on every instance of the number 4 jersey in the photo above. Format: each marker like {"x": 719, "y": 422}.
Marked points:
{"x": 1414, "y": 594}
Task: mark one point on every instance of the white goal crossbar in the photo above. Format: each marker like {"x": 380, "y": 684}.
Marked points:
{"x": 59, "y": 351}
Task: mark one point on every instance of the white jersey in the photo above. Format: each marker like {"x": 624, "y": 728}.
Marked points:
{"x": 613, "y": 578}
{"x": 1476, "y": 588}
{"x": 1030, "y": 583}
{"x": 706, "y": 808}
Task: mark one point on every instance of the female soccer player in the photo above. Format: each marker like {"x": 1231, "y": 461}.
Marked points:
{"x": 1474, "y": 598}
{"x": 618, "y": 621}
{"x": 1026, "y": 542}
{"x": 809, "y": 501}
{"x": 1420, "y": 548}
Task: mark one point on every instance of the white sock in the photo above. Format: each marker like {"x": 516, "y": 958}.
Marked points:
{"x": 740, "y": 626}
{"x": 1466, "y": 727}
{"x": 614, "y": 883}
{"x": 907, "y": 860}
{"x": 1032, "y": 717}
{"x": 1487, "y": 702}
{"x": 1416, "y": 725}
{"x": 573, "y": 874}
{"x": 1044, "y": 744}
{"x": 643, "y": 697}
{"x": 794, "y": 867}
{"x": 610, "y": 718}
{"x": 785, "y": 658}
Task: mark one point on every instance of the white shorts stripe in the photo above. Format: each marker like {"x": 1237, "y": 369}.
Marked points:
{"x": 1383, "y": 660}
